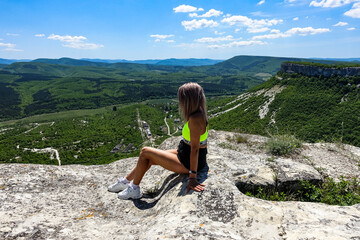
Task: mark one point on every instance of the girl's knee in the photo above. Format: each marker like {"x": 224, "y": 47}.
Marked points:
{"x": 146, "y": 150}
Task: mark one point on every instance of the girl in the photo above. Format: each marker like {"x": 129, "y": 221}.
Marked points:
{"x": 189, "y": 158}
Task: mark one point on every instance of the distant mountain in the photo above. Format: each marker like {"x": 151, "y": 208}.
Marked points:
{"x": 10, "y": 61}
{"x": 188, "y": 62}
{"x": 71, "y": 62}
{"x": 341, "y": 59}
{"x": 255, "y": 64}
{"x": 149, "y": 61}
{"x": 171, "y": 61}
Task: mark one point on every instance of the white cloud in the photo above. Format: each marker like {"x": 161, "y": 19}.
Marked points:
{"x": 219, "y": 33}
{"x": 307, "y": 31}
{"x": 293, "y": 31}
{"x": 354, "y": 12}
{"x": 331, "y": 3}
{"x": 75, "y": 42}
{"x": 187, "y": 8}
{"x": 251, "y": 23}
{"x": 296, "y": 18}
{"x": 257, "y": 30}
{"x": 217, "y": 39}
{"x": 275, "y": 31}
{"x": 170, "y": 41}
{"x": 340, "y": 24}
{"x": 67, "y": 38}
{"x": 238, "y": 44}
{"x": 261, "y": 2}
{"x": 272, "y": 36}
{"x": 13, "y": 34}
{"x": 161, "y": 36}
{"x": 13, "y": 50}
{"x": 351, "y": 29}
{"x": 80, "y": 45}
{"x": 210, "y": 13}
{"x": 10, "y": 47}
{"x": 196, "y": 24}
{"x": 39, "y": 35}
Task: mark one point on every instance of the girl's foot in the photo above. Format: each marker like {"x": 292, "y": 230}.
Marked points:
{"x": 130, "y": 193}
{"x": 121, "y": 184}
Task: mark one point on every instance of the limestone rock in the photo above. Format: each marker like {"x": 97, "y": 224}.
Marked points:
{"x": 317, "y": 71}
{"x": 72, "y": 202}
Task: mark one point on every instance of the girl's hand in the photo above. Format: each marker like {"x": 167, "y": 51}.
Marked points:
{"x": 195, "y": 185}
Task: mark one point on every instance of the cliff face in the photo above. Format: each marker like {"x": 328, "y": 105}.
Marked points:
{"x": 72, "y": 201}
{"x": 319, "y": 71}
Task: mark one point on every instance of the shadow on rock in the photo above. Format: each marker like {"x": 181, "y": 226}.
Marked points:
{"x": 147, "y": 201}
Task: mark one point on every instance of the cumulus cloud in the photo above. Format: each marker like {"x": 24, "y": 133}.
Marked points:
{"x": 39, "y": 35}
{"x": 258, "y": 30}
{"x": 67, "y": 38}
{"x": 296, "y": 18}
{"x": 217, "y": 39}
{"x": 187, "y": 8}
{"x": 340, "y": 24}
{"x": 197, "y": 24}
{"x": 354, "y": 12}
{"x": 307, "y": 31}
{"x": 293, "y": 31}
{"x": 331, "y": 3}
{"x": 75, "y": 42}
{"x": 13, "y": 34}
{"x": 351, "y": 29}
{"x": 210, "y": 13}
{"x": 219, "y": 33}
{"x": 261, "y": 2}
{"x": 162, "y": 37}
{"x": 237, "y": 44}
{"x": 10, "y": 47}
{"x": 251, "y": 23}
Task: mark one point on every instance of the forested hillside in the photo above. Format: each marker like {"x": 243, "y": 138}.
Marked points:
{"x": 88, "y": 139}
{"x": 313, "y": 108}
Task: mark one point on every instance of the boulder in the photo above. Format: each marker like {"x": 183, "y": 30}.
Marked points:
{"x": 72, "y": 202}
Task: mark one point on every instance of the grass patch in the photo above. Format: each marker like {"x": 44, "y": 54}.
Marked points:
{"x": 237, "y": 138}
{"x": 343, "y": 193}
{"x": 283, "y": 145}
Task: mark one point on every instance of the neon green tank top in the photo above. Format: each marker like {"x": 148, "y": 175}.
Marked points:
{"x": 186, "y": 134}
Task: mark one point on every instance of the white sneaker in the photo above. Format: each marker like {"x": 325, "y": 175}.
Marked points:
{"x": 130, "y": 193}
{"x": 118, "y": 186}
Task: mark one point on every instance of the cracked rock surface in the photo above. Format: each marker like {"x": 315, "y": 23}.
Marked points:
{"x": 72, "y": 202}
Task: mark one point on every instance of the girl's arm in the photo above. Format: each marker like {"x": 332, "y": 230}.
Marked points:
{"x": 195, "y": 127}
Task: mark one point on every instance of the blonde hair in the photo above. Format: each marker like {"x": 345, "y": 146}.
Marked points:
{"x": 191, "y": 100}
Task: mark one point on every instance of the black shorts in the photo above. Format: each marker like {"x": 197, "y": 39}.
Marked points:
{"x": 184, "y": 155}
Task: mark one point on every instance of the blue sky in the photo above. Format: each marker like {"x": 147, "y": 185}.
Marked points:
{"x": 154, "y": 29}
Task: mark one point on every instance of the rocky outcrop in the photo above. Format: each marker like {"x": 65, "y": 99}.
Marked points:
{"x": 319, "y": 71}
{"x": 72, "y": 202}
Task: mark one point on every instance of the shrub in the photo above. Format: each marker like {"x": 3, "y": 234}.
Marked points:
{"x": 282, "y": 144}
{"x": 343, "y": 193}
{"x": 238, "y": 138}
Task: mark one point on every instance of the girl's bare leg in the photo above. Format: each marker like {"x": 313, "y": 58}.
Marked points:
{"x": 131, "y": 175}
{"x": 151, "y": 156}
